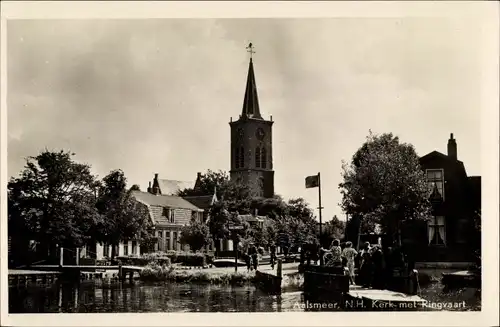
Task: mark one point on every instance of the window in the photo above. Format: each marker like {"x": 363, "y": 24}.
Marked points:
{"x": 167, "y": 240}
{"x": 263, "y": 158}
{"x": 160, "y": 240}
{"x": 437, "y": 231}
{"x": 106, "y": 250}
{"x": 435, "y": 177}
{"x": 172, "y": 216}
{"x": 257, "y": 157}
{"x": 237, "y": 157}
{"x": 134, "y": 247}
{"x": 174, "y": 241}
{"x": 125, "y": 248}
{"x": 242, "y": 157}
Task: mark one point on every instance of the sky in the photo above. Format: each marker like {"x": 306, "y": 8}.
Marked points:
{"x": 156, "y": 95}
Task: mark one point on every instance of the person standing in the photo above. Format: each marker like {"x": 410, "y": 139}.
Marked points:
{"x": 378, "y": 268}
{"x": 272, "y": 252}
{"x": 365, "y": 269}
{"x": 248, "y": 261}
{"x": 255, "y": 257}
{"x": 334, "y": 257}
{"x": 350, "y": 254}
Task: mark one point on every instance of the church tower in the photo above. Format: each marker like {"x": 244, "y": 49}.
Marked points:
{"x": 251, "y": 142}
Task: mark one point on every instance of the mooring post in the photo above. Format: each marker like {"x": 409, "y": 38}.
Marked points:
{"x": 61, "y": 256}
{"x": 120, "y": 272}
{"x": 278, "y": 269}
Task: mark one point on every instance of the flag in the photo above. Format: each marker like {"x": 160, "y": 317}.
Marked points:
{"x": 312, "y": 181}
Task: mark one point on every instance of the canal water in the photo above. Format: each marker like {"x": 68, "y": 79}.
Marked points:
{"x": 99, "y": 296}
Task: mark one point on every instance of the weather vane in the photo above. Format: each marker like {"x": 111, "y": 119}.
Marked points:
{"x": 250, "y": 49}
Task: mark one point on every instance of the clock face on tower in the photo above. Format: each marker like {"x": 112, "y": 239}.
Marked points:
{"x": 259, "y": 133}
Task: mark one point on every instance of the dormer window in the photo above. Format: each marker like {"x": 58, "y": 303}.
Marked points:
{"x": 435, "y": 179}
{"x": 169, "y": 213}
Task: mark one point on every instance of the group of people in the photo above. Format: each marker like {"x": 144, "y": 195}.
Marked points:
{"x": 374, "y": 265}
{"x": 371, "y": 266}
{"x": 336, "y": 256}
{"x": 252, "y": 258}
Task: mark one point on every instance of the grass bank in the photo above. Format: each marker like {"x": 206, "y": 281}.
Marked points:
{"x": 154, "y": 272}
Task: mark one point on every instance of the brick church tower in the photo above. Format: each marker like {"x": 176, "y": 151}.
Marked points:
{"x": 251, "y": 143}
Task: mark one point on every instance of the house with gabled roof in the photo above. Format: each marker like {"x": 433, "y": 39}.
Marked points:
{"x": 169, "y": 186}
{"x": 204, "y": 202}
{"x": 455, "y": 197}
{"x": 168, "y": 213}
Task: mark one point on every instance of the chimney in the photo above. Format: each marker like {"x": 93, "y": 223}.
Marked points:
{"x": 452, "y": 148}
{"x": 156, "y": 185}
{"x": 149, "y": 188}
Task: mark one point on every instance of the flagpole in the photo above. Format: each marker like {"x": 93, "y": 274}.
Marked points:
{"x": 345, "y": 229}
{"x": 320, "y": 217}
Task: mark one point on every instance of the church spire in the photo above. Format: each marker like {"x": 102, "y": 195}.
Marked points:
{"x": 251, "y": 100}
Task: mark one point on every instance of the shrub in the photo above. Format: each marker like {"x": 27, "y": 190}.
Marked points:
{"x": 148, "y": 258}
{"x": 198, "y": 259}
{"x": 157, "y": 273}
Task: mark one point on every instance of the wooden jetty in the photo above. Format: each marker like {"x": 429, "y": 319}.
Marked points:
{"x": 269, "y": 281}
{"x": 75, "y": 271}
{"x": 465, "y": 278}
{"x": 21, "y": 277}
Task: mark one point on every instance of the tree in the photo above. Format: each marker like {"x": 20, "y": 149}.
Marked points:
{"x": 53, "y": 201}
{"x": 294, "y": 217}
{"x": 271, "y": 207}
{"x": 353, "y": 228}
{"x": 385, "y": 184}
{"x": 236, "y": 195}
{"x": 331, "y": 230}
{"x": 123, "y": 217}
{"x": 220, "y": 220}
{"x": 196, "y": 234}
{"x": 208, "y": 183}
{"x": 135, "y": 187}
{"x": 299, "y": 208}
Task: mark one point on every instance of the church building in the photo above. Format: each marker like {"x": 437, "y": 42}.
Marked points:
{"x": 251, "y": 143}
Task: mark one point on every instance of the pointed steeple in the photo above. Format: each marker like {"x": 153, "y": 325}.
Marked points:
{"x": 251, "y": 100}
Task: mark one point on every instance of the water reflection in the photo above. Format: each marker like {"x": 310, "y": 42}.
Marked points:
{"x": 163, "y": 297}
{"x": 96, "y": 296}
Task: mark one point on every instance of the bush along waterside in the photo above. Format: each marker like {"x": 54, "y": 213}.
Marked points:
{"x": 179, "y": 257}
{"x": 156, "y": 272}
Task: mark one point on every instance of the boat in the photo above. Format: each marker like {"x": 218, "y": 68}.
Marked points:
{"x": 327, "y": 289}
